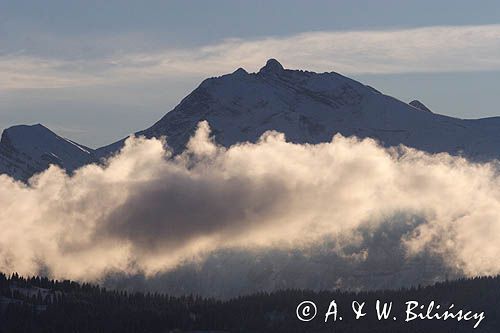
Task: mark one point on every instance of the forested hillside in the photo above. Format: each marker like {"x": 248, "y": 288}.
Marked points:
{"x": 38, "y": 304}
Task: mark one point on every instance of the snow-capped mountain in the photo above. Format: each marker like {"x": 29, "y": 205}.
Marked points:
{"x": 306, "y": 106}
{"x": 26, "y": 150}
{"x": 312, "y": 107}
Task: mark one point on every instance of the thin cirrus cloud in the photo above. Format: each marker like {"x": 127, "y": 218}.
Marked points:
{"x": 426, "y": 49}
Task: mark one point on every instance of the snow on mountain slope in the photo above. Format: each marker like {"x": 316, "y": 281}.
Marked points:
{"x": 312, "y": 107}
{"x": 26, "y": 150}
{"x": 306, "y": 106}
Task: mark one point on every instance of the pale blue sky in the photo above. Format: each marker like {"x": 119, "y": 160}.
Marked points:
{"x": 95, "y": 71}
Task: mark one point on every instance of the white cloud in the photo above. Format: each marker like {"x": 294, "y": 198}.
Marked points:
{"x": 146, "y": 212}
{"x": 428, "y": 49}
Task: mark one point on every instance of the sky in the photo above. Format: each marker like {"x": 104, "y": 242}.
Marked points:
{"x": 95, "y": 71}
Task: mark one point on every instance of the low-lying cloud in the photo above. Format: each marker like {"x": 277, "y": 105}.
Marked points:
{"x": 147, "y": 212}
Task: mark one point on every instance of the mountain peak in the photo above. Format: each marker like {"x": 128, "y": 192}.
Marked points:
{"x": 34, "y": 127}
{"x": 272, "y": 66}
{"x": 29, "y": 149}
{"x": 419, "y": 105}
{"x": 240, "y": 71}
{"x": 25, "y": 131}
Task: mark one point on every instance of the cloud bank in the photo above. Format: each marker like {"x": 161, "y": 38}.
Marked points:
{"x": 147, "y": 212}
{"x": 427, "y": 49}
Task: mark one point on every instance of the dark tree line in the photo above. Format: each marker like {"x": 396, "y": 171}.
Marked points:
{"x": 38, "y": 304}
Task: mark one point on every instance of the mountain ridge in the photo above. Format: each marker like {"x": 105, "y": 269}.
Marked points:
{"x": 312, "y": 107}
{"x": 307, "y": 107}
